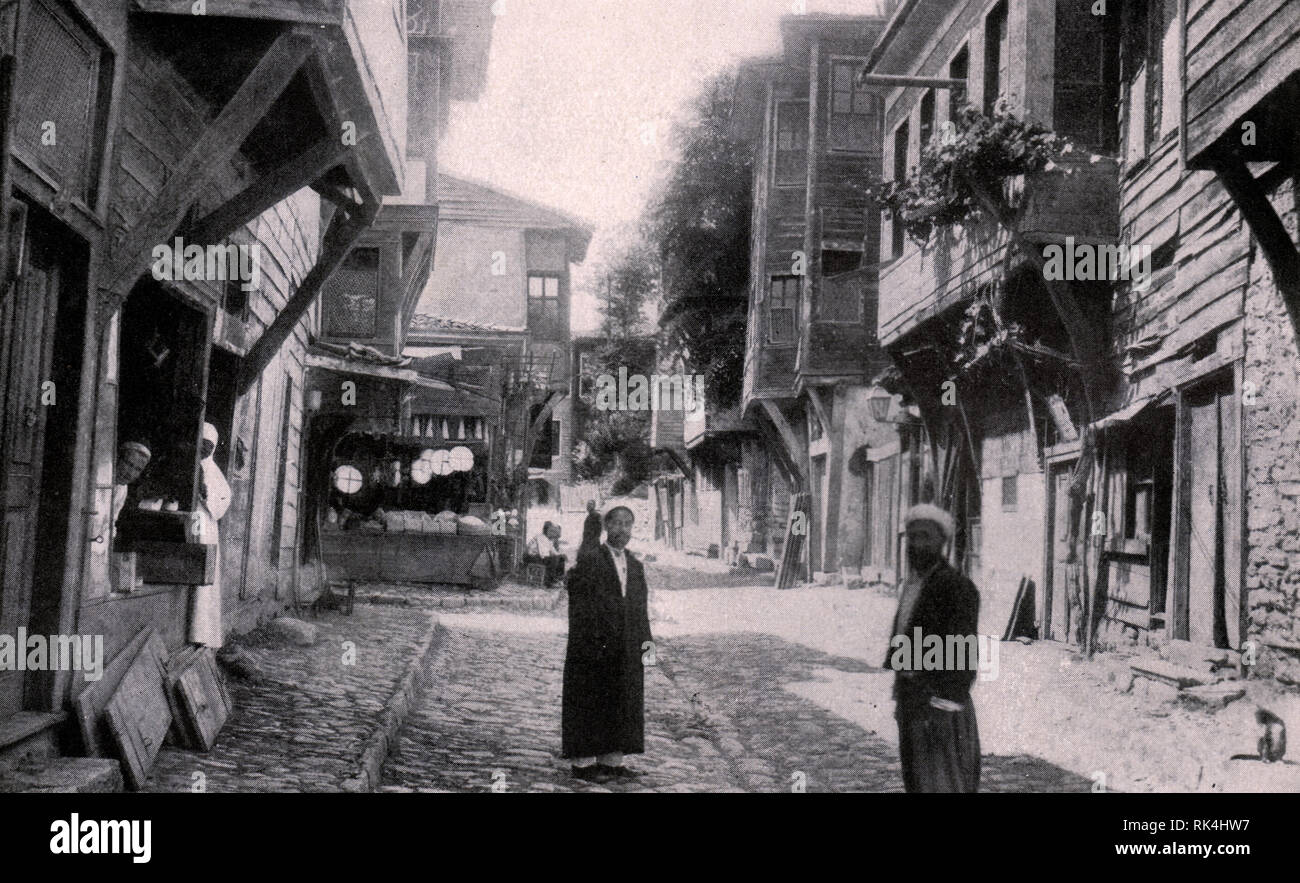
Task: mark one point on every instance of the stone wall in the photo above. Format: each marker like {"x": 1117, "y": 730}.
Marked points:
{"x": 1271, "y": 432}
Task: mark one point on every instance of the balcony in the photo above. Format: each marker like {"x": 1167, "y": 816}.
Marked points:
{"x": 1082, "y": 203}
{"x": 710, "y": 422}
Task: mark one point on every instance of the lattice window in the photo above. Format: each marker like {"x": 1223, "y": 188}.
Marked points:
{"x": 791, "y": 142}
{"x": 63, "y": 72}
{"x": 352, "y": 296}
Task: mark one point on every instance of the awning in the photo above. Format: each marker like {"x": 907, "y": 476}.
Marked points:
{"x": 1131, "y": 410}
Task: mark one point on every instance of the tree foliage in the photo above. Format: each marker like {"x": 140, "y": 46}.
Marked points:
{"x": 699, "y": 222}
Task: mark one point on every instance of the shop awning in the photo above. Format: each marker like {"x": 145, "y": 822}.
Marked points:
{"x": 1131, "y": 410}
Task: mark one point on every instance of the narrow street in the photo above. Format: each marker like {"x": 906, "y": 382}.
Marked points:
{"x": 730, "y": 706}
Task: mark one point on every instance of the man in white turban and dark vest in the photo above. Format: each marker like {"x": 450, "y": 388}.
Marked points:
{"x": 214, "y": 500}
{"x": 938, "y": 741}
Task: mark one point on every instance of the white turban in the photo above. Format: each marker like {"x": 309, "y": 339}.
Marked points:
{"x": 933, "y": 514}
{"x": 210, "y": 434}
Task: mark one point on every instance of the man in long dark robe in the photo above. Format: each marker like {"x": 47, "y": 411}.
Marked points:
{"x": 604, "y": 682}
{"x": 938, "y": 740}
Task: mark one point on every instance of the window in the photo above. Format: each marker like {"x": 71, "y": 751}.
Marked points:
{"x": 852, "y": 108}
{"x": 901, "y": 138}
{"x": 997, "y": 72}
{"x": 1142, "y": 72}
{"x": 958, "y": 69}
{"x": 840, "y": 297}
{"x": 1086, "y": 88}
{"x": 62, "y": 105}
{"x": 927, "y": 117}
{"x": 544, "y": 305}
{"x": 836, "y": 262}
{"x": 352, "y": 296}
{"x": 1009, "y": 493}
{"x": 782, "y": 301}
{"x": 791, "y": 143}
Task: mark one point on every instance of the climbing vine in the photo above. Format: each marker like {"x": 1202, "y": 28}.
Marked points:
{"x": 974, "y": 156}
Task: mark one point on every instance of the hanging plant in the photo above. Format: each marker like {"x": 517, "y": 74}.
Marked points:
{"x": 978, "y": 154}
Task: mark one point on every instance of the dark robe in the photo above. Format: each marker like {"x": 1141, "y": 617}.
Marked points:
{"x": 604, "y": 679}
{"x": 939, "y": 749}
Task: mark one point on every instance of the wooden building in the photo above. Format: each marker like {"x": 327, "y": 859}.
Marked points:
{"x": 1140, "y": 469}
{"x": 266, "y": 137}
{"x": 499, "y": 296}
{"x": 810, "y": 347}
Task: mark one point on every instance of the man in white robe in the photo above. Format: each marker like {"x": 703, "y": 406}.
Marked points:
{"x": 214, "y": 500}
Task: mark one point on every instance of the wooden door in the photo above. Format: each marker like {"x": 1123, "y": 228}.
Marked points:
{"x": 1056, "y": 603}
{"x": 1209, "y": 612}
{"x": 27, "y": 324}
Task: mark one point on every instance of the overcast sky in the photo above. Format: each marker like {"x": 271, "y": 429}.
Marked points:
{"x": 580, "y": 95}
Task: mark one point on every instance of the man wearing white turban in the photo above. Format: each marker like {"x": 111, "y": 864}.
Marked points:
{"x": 938, "y": 738}
{"x": 214, "y": 500}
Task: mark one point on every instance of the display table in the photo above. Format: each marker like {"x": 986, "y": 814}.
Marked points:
{"x": 378, "y": 556}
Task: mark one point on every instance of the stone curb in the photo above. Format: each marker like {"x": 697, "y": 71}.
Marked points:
{"x": 380, "y": 742}
{"x": 458, "y": 602}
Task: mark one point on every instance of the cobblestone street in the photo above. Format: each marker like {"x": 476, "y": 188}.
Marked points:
{"x": 720, "y": 716}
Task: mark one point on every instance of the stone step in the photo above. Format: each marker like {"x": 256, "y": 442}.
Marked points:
{"x": 63, "y": 775}
{"x": 1168, "y": 673}
{"x": 29, "y": 735}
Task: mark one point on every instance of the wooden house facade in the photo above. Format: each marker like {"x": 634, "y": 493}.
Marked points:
{"x": 811, "y": 346}
{"x": 1135, "y": 448}
{"x": 180, "y": 182}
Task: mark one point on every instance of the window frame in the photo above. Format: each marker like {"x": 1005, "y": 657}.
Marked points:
{"x": 776, "y": 143}
{"x": 854, "y": 91}
{"x": 788, "y": 302}
{"x": 898, "y": 237}
{"x": 997, "y": 75}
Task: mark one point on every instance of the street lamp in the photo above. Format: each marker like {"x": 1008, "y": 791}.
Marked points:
{"x": 880, "y": 401}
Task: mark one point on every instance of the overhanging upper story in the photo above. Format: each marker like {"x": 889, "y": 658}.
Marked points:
{"x": 1056, "y": 65}
{"x": 816, "y": 142}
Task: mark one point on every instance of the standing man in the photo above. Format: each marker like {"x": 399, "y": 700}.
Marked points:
{"x": 604, "y": 681}
{"x": 938, "y": 741}
{"x": 214, "y": 500}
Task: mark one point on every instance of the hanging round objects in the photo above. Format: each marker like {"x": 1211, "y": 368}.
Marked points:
{"x": 395, "y": 473}
{"x": 422, "y": 470}
{"x": 348, "y": 479}
{"x": 462, "y": 459}
{"x": 442, "y": 463}
{"x": 427, "y": 455}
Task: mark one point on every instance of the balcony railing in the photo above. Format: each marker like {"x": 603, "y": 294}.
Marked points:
{"x": 1079, "y": 200}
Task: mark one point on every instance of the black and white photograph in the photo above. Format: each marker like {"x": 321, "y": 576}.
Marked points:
{"x": 429, "y": 397}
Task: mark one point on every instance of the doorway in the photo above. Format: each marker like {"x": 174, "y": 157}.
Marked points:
{"x": 1207, "y": 609}
{"x": 42, "y": 324}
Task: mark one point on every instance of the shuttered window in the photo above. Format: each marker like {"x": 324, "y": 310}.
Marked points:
{"x": 791, "y": 143}
{"x": 65, "y": 77}
{"x": 352, "y": 296}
